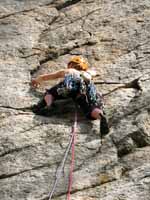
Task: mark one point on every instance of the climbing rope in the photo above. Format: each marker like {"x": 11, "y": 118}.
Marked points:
{"x": 72, "y": 157}
{"x": 62, "y": 164}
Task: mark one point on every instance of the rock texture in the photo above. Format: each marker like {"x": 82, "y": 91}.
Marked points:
{"x": 40, "y": 36}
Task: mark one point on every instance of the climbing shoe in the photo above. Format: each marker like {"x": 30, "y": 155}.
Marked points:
{"x": 37, "y": 107}
{"x": 42, "y": 109}
{"x": 46, "y": 111}
{"x": 104, "y": 128}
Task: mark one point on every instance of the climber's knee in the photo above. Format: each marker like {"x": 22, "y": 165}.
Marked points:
{"x": 96, "y": 113}
{"x": 49, "y": 99}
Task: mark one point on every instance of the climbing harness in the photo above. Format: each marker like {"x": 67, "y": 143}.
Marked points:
{"x": 61, "y": 167}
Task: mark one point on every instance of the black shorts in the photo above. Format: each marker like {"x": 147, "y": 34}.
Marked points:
{"x": 80, "y": 99}
{"x": 87, "y": 107}
{"x": 54, "y": 91}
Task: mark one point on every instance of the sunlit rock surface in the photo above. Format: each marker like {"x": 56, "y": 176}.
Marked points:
{"x": 38, "y": 37}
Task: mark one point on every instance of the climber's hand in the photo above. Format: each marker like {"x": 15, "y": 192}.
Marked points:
{"x": 35, "y": 83}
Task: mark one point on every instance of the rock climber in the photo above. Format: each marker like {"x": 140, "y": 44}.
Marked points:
{"x": 76, "y": 84}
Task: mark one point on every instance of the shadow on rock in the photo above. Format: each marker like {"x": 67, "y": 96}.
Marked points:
{"x": 63, "y": 112}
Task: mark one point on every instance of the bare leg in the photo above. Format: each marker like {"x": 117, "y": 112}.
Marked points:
{"x": 49, "y": 99}
{"x": 96, "y": 113}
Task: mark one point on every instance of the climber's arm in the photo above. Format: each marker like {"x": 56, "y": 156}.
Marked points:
{"x": 55, "y": 75}
{"x": 51, "y": 76}
{"x": 93, "y": 73}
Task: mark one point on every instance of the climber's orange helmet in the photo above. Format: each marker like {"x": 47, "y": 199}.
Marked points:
{"x": 79, "y": 63}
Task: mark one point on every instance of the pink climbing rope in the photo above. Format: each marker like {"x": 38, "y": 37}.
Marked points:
{"x": 58, "y": 174}
{"x": 72, "y": 157}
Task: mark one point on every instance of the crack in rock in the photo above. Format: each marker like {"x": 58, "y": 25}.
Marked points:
{"x": 13, "y": 108}
{"x": 79, "y": 18}
{"x": 58, "y": 7}
{"x": 54, "y": 53}
{"x": 67, "y": 4}
{"x": 4, "y": 176}
{"x": 11, "y": 151}
{"x": 80, "y": 190}
{"x": 15, "y": 13}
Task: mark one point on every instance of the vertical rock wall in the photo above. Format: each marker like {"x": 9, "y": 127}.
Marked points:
{"x": 40, "y": 36}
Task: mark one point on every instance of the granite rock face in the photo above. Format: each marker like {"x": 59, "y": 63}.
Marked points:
{"x": 38, "y": 37}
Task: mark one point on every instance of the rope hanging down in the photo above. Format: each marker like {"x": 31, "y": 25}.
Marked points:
{"x": 62, "y": 164}
{"x": 72, "y": 158}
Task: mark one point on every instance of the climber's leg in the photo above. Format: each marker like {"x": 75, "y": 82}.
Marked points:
{"x": 44, "y": 106}
{"x": 49, "y": 99}
{"x": 93, "y": 112}
{"x": 96, "y": 113}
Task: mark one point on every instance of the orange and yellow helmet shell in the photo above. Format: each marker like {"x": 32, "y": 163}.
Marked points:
{"x": 79, "y": 60}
